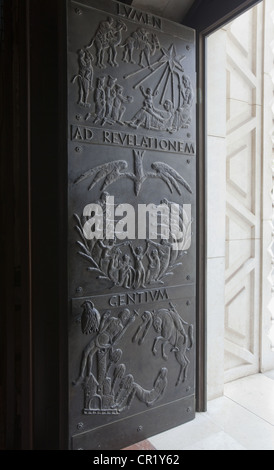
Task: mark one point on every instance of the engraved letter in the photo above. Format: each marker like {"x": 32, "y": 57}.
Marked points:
{"x": 113, "y": 301}
{"x": 190, "y": 149}
{"x": 76, "y": 133}
{"x": 107, "y": 137}
{"x": 163, "y": 294}
{"x": 88, "y": 134}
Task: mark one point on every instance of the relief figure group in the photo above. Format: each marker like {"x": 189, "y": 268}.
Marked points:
{"x": 145, "y": 43}
{"x": 173, "y": 110}
{"x": 166, "y": 119}
{"x": 130, "y": 264}
{"x": 110, "y": 101}
{"x": 108, "y": 389}
{"x": 106, "y": 40}
{"x": 172, "y": 331}
{"x": 126, "y": 77}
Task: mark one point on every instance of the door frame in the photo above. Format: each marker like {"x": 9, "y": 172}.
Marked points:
{"x": 206, "y": 16}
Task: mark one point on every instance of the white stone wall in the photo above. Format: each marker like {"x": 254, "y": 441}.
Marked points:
{"x": 216, "y": 203}
{"x": 268, "y": 193}
{"x": 239, "y": 198}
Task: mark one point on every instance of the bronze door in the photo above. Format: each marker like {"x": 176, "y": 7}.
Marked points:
{"x": 131, "y": 224}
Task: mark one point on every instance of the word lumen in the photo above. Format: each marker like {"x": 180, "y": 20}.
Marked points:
{"x": 139, "y": 16}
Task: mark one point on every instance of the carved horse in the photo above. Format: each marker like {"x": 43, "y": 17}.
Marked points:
{"x": 171, "y": 330}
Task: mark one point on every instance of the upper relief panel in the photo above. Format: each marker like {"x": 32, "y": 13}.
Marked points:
{"x": 127, "y": 72}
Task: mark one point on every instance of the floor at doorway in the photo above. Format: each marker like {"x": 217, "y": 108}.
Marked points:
{"x": 243, "y": 419}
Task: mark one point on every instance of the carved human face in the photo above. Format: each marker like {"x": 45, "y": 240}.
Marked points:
{"x": 167, "y": 105}
{"x": 101, "y": 82}
{"x": 157, "y": 324}
{"x": 139, "y": 250}
{"x": 126, "y": 259}
{"x": 124, "y": 316}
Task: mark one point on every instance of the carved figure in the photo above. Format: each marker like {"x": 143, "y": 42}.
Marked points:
{"x": 113, "y": 261}
{"x": 148, "y": 44}
{"x": 100, "y": 100}
{"x": 164, "y": 250}
{"x": 183, "y": 114}
{"x": 139, "y": 254}
{"x": 107, "y": 391}
{"x": 110, "y": 331}
{"x": 113, "y": 272}
{"x": 107, "y": 38}
{"x": 129, "y": 389}
{"x": 110, "y": 101}
{"x": 106, "y": 253}
{"x": 126, "y": 272}
{"x": 153, "y": 267}
{"x": 118, "y": 108}
{"x": 110, "y": 97}
{"x": 84, "y": 76}
{"x": 170, "y": 77}
{"x": 168, "y": 116}
{"x": 129, "y": 46}
{"x": 150, "y": 397}
{"x": 90, "y": 320}
{"x": 187, "y": 91}
{"x": 147, "y": 114}
{"x": 145, "y": 42}
{"x": 151, "y": 118}
{"x": 171, "y": 329}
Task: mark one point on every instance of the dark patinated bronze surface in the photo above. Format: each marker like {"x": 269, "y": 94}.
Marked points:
{"x": 131, "y": 141}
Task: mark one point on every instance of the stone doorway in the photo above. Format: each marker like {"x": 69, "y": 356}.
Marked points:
{"x": 239, "y": 203}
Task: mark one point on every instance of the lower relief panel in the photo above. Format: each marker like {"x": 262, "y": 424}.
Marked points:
{"x": 132, "y": 366}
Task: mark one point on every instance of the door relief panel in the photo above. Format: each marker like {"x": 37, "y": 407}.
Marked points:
{"x": 132, "y": 223}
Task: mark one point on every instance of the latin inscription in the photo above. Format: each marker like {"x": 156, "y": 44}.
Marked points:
{"x": 96, "y": 136}
{"x": 132, "y": 299}
{"x": 136, "y": 298}
{"x": 139, "y": 17}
